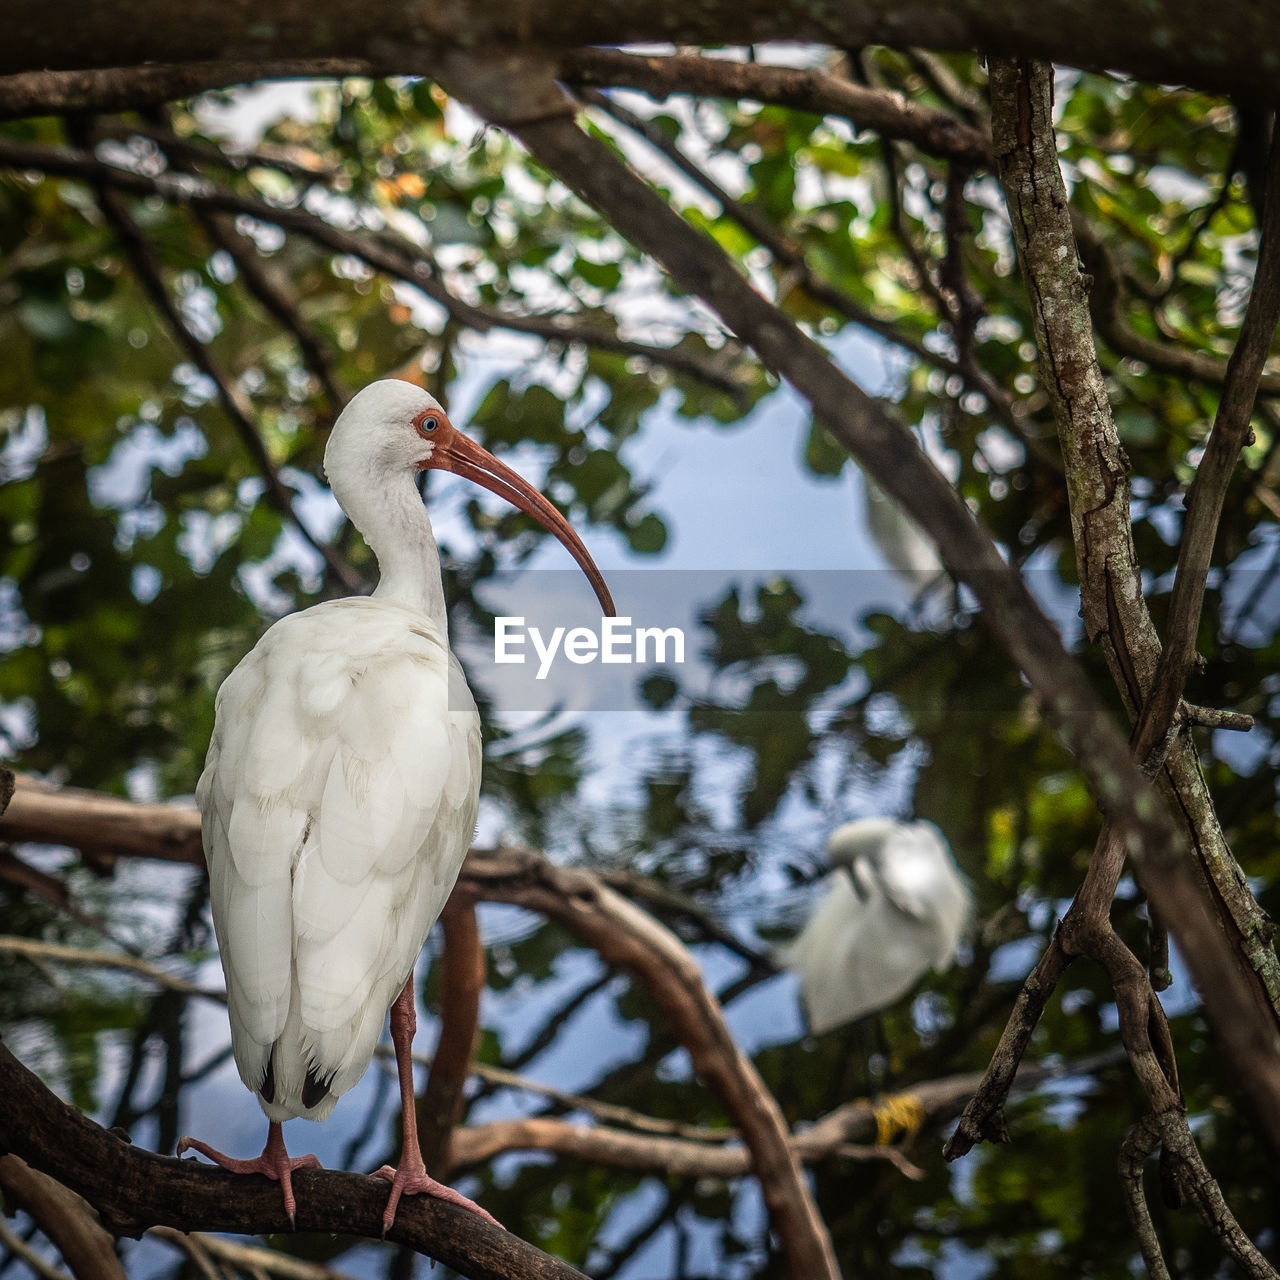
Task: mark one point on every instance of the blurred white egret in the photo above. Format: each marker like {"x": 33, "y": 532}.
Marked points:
{"x": 339, "y": 796}
{"x": 894, "y": 907}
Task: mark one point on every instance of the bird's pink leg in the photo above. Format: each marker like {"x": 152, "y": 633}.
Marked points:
{"x": 274, "y": 1161}
{"x": 410, "y": 1176}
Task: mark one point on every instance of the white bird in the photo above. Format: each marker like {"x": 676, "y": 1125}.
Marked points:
{"x": 894, "y": 907}
{"x": 339, "y": 795}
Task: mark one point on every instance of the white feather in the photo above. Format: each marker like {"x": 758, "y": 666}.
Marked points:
{"x": 334, "y": 758}
{"x": 895, "y": 907}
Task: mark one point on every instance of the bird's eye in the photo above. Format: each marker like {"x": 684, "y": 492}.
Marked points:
{"x": 429, "y": 423}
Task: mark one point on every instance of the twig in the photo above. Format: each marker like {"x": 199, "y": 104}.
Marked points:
{"x": 1106, "y": 306}
{"x": 248, "y": 1257}
{"x": 273, "y": 298}
{"x": 23, "y": 1251}
{"x": 1138, "y": 1145}
{"x": 34, "y": 949}
{"x": 786, "y": 253}
{"x": 1216, "y": 718}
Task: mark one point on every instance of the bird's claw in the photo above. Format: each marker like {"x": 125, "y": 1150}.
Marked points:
{"x": 274, "y": 1162}
{"x": 411, "y": 1180}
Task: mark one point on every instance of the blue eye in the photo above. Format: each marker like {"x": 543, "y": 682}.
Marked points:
{"x": 430, "y": 424}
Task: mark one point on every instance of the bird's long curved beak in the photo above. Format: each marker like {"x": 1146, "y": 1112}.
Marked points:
{"x": 464, "y": 457}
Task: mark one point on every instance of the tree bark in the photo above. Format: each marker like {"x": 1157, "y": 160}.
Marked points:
{"x": 1237, "y": 52}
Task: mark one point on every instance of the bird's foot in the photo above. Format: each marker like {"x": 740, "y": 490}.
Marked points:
{"x": 411, "y": 1178}
{"x": 275, "y": 1162}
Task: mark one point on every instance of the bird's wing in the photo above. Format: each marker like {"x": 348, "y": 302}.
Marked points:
{"x": 920, "y": 879}
{"x": 253, "y": 828}
{"x": 835, "y": 955}
{"x": 351, "y": 786}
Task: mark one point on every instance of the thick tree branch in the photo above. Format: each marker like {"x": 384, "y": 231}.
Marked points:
{"x": 1114, "y": 610}
{"x": 99, "y": 823}
{"x": 522, "y": 97}
{"x": 133, "y": 1189}
{"x": 1237, "y": 52}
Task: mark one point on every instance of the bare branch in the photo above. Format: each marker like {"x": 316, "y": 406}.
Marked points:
{"x": 1139, "y": 1143}
{"x": 249, "y": 1258}
{"x": 35, "y": 949}
{"x": 787, "y": 254}
{"x": 1107, "y": 307}
{"x": 1209, "y": 489}
{"x": 20, "y": 1249}
{"x": 1114, "y": 611}
{"x": 626, "y": 936}
{"x": 1236, "y": 53}
{"x": 133, "y": 1189}
{"x": 92, "y": 820}
{"x": 57, "y": 93}
{"x": 810, "y": 89}
{"x": 69, "y": 1223}
{"x": 521, "y": 96}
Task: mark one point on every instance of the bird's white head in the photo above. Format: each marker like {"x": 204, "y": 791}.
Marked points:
{"x": 394, "y": 428}
{"x": 865, "y": 838}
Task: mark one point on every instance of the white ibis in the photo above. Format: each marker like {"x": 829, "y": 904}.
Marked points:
{"x": 339, "y": 796}
{"x": 894, "y": 907}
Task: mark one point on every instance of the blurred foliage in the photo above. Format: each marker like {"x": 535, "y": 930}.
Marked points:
{"x": 139, "y": 559}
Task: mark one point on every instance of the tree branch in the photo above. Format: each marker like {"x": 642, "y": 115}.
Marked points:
{"x": 1236, "y": 53}
{"x": 811, "y": 89}
{"x": 133, "y": 1189}
{"x": 1113, "y": 607}
{"x": 1228, "y": 437}
{"x": 521, "y": 96}
{"x": 35, "y": 949}
{"x": 110, "y": 89}
{"x": 70, "y": 1224}
{"x": 99, "y": 823}
{"x": 626, "y": 936}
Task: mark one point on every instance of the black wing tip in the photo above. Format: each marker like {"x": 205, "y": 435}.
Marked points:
{"x": 267, "y": 1089}
{"x": 315, "y": 1089}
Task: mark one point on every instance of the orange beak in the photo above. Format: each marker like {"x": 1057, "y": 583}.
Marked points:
{"x": 456, "y": 453}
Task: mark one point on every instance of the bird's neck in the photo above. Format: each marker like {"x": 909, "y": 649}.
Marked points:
{"x": 395, "y": 525}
